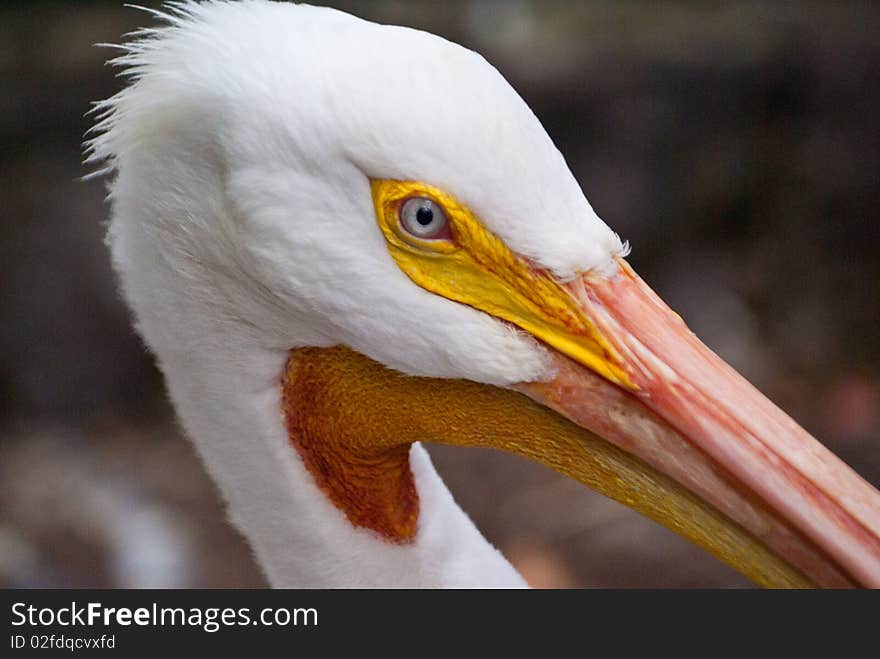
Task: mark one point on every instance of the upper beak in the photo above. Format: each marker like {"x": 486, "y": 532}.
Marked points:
{"x": 685, "y": 412}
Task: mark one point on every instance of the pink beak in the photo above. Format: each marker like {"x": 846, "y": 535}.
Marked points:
{"x": 694, "y": 418}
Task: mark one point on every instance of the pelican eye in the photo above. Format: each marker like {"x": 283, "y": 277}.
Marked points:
{"x": 422, "y": 218}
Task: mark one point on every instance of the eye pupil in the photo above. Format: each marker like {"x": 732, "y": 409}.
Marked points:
{"x": 424, "y": 216}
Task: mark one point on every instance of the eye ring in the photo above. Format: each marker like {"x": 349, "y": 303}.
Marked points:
{"x": 423, "y": 218}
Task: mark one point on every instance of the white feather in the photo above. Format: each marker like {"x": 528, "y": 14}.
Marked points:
{"x": 242, "y": 227}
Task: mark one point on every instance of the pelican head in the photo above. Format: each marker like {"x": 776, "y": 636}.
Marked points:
{"x": 341, "y": 239}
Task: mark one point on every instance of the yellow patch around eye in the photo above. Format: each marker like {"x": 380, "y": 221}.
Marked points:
{"x": 476, "y": 268}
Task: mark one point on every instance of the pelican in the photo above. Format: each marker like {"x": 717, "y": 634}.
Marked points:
{"x": 342, "y": 239}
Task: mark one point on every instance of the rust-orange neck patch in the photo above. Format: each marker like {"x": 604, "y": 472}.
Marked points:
{"x": 370, "y": 481}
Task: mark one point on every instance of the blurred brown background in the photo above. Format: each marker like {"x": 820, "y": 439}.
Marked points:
{"x": 736, "y": 145}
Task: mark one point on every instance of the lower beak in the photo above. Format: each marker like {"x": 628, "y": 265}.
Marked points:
{"x": 693, "y": 418}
